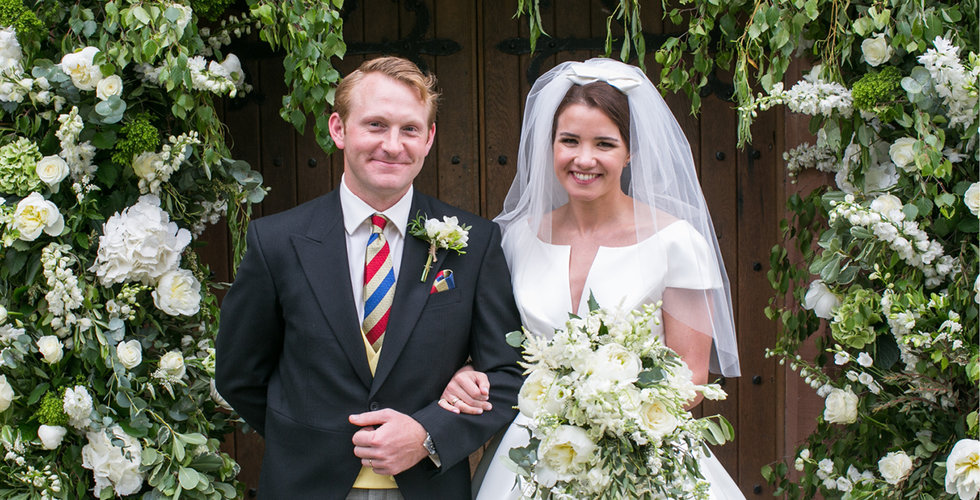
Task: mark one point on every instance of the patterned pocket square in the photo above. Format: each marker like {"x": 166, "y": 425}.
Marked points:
{"x": 444, "y": 281}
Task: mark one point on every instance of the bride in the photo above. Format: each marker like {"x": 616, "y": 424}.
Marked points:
{"x": 606, "y": 202}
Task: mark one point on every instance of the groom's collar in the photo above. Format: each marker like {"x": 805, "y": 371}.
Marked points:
{"x": 356, "y": 210}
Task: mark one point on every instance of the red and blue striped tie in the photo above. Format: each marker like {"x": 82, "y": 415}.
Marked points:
{"x": 379, "y": 283}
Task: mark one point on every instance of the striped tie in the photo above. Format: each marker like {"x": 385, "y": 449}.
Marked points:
{"x": 379, "y": 283}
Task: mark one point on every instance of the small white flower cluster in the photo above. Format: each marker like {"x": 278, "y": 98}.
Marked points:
{"x": 126, "y": 302}
{"x": 171, "y": 370}
{"x": 63, "y": 296}
{"x": 953, "y": 82}
{"x": 211, "y": 213}
{"x": 225, "y": 78}
{"x": 887, "y": 221}
{"x": 836, "y": 482}
{"x": 447, "y": 233}
{"x": 232, "y": 26}
{"x": 78, "y": 156}
{"x": 864, "y": 377}
{"x": 813, "y": 98}
{"x": 15, "y": 84}
{"x": 804, "y": 156}
{"x": 154, "y": 169}
{"x": 46, "y": 480}
{"x": 114, "y": 458}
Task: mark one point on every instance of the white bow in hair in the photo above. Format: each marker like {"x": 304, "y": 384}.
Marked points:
{"x": 583, "y": 74}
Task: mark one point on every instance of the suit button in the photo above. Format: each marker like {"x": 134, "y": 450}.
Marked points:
{"x": 374, "y": 406}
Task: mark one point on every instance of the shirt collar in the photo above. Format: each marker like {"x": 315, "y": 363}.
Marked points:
{"x": 356, "y": 210}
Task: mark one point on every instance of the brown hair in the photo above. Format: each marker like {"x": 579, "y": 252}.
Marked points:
{"x": 396, "y": 68}
{"x": 601, "y": 96}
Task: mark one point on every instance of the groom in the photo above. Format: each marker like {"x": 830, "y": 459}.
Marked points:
{"x": 333, "y": 348}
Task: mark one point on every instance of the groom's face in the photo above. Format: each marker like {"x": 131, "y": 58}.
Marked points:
{"x": 385, "y": 139}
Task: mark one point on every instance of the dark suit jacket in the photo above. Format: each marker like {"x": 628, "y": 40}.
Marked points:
{"x": 291, "y": 361}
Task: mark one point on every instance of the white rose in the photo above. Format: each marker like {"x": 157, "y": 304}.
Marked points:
{"x": 902, "y": 153}
{"x": 85, "y": 75}
{"x": 114, "y": 459}
{"x": 876, "y": 50}
{"x": 534, "y": 391}
{"x": 890, "y": 206}
{"x": 147, "y": 164}
{"x": 178, "y": 293}
{"x": 820, "y": 300}
{"x": 130, "y": 353}
{"x": 35, "y": 214}
{"x": 895, "y": 466}
{"x": 972, "y": 198}
{"x": 233, "y": 67}
{"x": 840, "y": 407}
{"x": 51, "y": 436}
{"x": 172, "y": 365}
{"x": 109, "y": 86}
{"x": 567, "y": 450}
{"x": 52, "y": 170}
{"x": 657, "y": 419}
{"x": 51, "y": 348}
{"x": 615, "y": 362}
{"x": 6, "y": 393}
{"x": 963, "y": 469}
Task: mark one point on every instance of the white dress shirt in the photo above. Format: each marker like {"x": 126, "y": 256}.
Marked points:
{"x": 358, "y": 230}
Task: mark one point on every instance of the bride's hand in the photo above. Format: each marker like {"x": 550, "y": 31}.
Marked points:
{"x": 468, "y": 392}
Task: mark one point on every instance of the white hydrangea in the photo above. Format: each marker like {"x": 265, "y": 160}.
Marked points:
{"x": 10, "y": 52}
{"x": 77, "y": 404}
{"x": 139, "y": 244}
{"x": 113, "y": 464}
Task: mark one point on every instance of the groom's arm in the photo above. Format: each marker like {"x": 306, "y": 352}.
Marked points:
{"x": 250, "y": 335}
{"x": 494, "y": 315}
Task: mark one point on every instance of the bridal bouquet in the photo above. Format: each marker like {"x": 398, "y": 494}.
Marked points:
{"x": 605, "y": 398}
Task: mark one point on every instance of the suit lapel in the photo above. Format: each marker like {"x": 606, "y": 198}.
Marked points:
{"x": 410, "y": 294}
{"x": 322, "y": 252}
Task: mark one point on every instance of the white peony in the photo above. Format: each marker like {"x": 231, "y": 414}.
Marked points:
{"x": 109, "y": 86}
{"x": 77, "y": 403}
{"x": 895, "y": 466}
{"x": 902, "y": 153}
{"x": 52, "y": 170}
{"x": 51, "y": 436}
{"x": 821, "y": 300}
{"x": 963, "y": 469}
{"x": 10, "y": 52}
{"x": 972, "y": 198}
{"x": 178, "y": 293}
{"x": 130, "y": 353}
{"x": 876, "y": 51}
{"x": 6, "y": 393}
{"x": 566, "y": 451}
{"x": 35, "y": 214}
{"x": 534, "y": 392}
{"x": 614, "y": 362}
{"x": 171, "y": 366}
{"x": 79, "y": 65}
{"x": 880, "y": 177}
{"x": 51, "y": 348}
{"x": 113, "y": 463}
{"x": 840, "y": 407}
{"x": 139, "y": 244}
{"x": 657, "y": 419}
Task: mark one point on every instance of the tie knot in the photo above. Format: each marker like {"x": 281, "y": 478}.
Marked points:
{"x": 378, "y": 222}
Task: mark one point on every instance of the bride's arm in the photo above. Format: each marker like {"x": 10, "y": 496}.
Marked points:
{"x": 468, "y": 392}
{"x": 686, "y": 317}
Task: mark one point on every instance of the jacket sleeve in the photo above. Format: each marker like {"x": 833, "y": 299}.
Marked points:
{"x": 494, "y": 315}
{"x": 250, "y": 335}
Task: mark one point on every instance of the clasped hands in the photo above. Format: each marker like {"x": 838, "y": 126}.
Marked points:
{"x": 390, "y": 442}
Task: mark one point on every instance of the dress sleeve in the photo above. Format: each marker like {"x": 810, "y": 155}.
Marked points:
{"x": 692, "y": 263}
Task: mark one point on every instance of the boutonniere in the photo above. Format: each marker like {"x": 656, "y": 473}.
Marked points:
{"x": 447, "y": 233}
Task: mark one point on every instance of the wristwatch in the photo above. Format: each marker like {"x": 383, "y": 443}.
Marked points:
{"x": 429, "y": 445}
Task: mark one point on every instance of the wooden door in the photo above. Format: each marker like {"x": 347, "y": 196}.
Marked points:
{"x": 480, "y": 55}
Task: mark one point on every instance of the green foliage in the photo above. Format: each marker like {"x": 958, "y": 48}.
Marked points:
{"x": 25, "y": 22}
{"x": 311, "y": 34}
{"x": 51, "y": 411}
{"x": 877, "y": 89}
{"x": 210, "y": 9}
{"x": 138, "y": 136}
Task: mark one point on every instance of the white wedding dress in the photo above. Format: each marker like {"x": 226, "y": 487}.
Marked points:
{"x": 616, "y": 279}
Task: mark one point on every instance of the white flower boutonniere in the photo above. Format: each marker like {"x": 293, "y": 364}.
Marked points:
{"x": 447, "y": 233}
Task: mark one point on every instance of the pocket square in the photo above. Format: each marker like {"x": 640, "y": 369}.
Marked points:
{"x": 444, "y": 281}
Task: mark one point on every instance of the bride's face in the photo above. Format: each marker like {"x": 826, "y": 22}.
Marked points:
{"x": 590, "y": 153}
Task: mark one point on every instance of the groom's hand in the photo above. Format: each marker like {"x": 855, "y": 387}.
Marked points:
{"x": 389, "y": 442}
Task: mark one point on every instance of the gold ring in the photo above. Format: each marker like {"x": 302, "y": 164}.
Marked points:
{"x": 455, "y": 400}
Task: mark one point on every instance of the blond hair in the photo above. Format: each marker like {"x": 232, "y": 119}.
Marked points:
{"x": 396, "y": 68}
